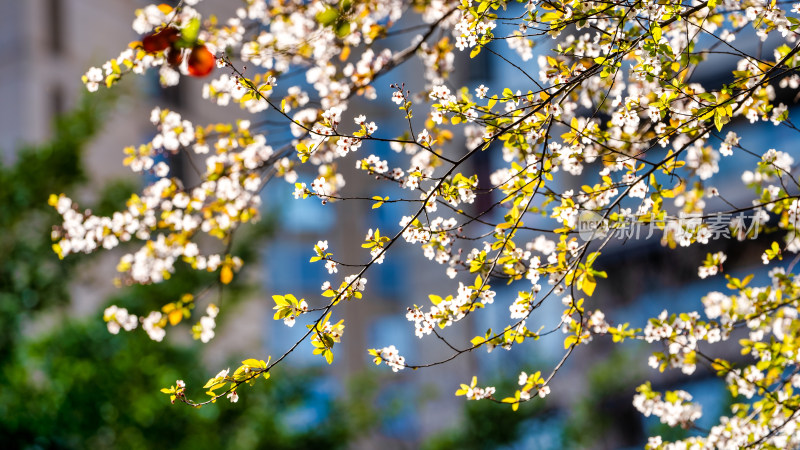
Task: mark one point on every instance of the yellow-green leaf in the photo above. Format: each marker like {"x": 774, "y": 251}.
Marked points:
{"x": 656, "y": 33}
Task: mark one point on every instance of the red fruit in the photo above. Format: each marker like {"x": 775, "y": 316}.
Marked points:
{"x": 157, "y": 42}
{"x": 201, "y": 61}
{"x": 174, "y": 56}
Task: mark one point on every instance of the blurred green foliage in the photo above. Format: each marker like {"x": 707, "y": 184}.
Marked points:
{"x": 76, "y": 385}
{"x": 80, "y": 387}
{"x": 31, "y": 276}
{"x": 487, "y": 425}
{"x": 605, "y": 411}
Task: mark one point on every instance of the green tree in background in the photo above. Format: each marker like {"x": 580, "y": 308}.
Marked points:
{"x": 78, "y": 389}
{"x": 485, "y": 425}
{"x": 31, "y": 279}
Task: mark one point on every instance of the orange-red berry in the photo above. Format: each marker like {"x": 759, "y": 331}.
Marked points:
{"x": 201, "y": 61}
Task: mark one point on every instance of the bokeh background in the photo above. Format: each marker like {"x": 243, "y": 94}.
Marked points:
{"x": 65, "y": 382}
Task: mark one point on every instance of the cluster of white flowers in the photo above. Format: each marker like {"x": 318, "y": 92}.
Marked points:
{"x": 373, "y": 164}
{"x": 208, "y": 323}
{"x": 479, "y": 393}
{"x": 625, "y": 117}
{"x": 711, "y": 267}
{"x": 597, "y": 322}
{"x": 679, "y": 410}
{"x": 325, "y": 186}
{"x": 164, "y": 205}
{"x": 84, "y": 233}
{"x": 731, "y": 140}
{"x": 441, "y": 93}
{"x": 781, "y": 160}
{"x": 358, "y": 283}
{"x": 331, "y": 266}
{"x": 682, "y": 333}
{"x": 522, "y": 306}
{"x": 227, "y": 88}
{"x": 369, "y": 127}
{"x": 369, "y": 64}
{"x": 423, "y": 322}
{"x": 118, "y": 318}
{"x": 638, "y": 186}
{"x": 174, "y": 131}
{"x": 94, "y": 76}
{"x": 521, "y": 44}
{"x": 439, "y": 243}
{"x": 346, "y": 144}
{"x": 703, "y": 159}
{"x": 739, "y": 432}
{"x": 148, "y": 18}
{"x": 153, "y": 324}
{"x": 392, "y": 358}
{"x": 397, "y": 97}
{"x": 424, "y": 138}
{"x": 413, "y": 231}
{"x": 468, "y": 30}
{"x": 530, "y": 382}
{"x": 448, "y": 311}
{"x": 155, "y": 260}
